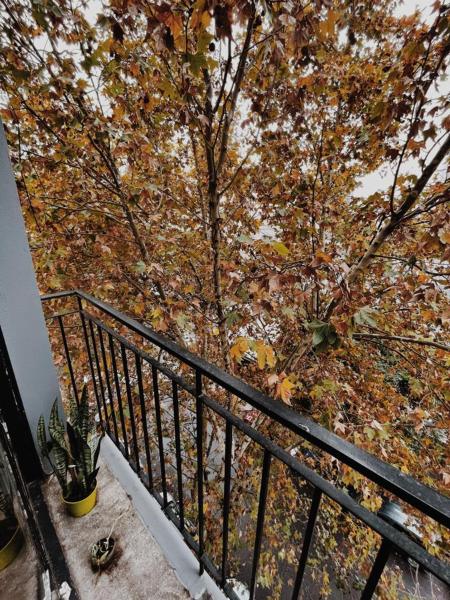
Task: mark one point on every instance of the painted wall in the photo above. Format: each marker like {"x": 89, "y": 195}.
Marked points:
{"x": 21, "y": 317}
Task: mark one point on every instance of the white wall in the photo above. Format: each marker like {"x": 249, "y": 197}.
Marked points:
{"x": 21, "y": 317}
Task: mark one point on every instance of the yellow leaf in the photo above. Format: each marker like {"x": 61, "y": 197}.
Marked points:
{"x": 261, "y": 354}
{"x": 156, "y": 313}
{"x": 239, "y": 348}
{"x": 286, "y": 389}
{"x": 270, "y": 356}
{"x": 265, "y": 355}
{"x": 280, "y": 248}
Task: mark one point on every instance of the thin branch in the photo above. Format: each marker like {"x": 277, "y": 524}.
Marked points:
{"x": 401, "y": 338}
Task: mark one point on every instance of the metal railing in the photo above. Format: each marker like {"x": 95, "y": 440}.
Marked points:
{"x": 108, "y": 353}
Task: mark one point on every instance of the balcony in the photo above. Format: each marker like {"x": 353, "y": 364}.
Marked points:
{"x": 180, "y": 426}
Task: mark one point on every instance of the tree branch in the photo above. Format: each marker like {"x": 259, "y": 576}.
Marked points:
{"x": 393, "y": 222}
{"x": 401, "y": 338}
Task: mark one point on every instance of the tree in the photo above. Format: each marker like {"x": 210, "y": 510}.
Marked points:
{"x": 198, "y": 164}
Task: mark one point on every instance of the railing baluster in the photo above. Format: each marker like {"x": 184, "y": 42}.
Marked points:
{"x": 160, "y": 434}
{"x": 377, "y": 569}
{"x": 176, "y": 418}
{"x": 91, "y": 365}
{"x": 119, "y": 395}
{"x": 260, "y": 519}
{"x": 199, "y": 416}
{"x": 108, "y": 382}
{"x": 69, "y": 360}
{"x": 429, "y": 502}
{"x": 130, "y": 407}
{"x": 226, "y": 499}
{"x": 100, "y": 380}
{"x": 309, "y": 530}
{"x": 137, "y": 359}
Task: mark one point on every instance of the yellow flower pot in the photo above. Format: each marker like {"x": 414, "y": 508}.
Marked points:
{"x": 9, "y": 552}
{"x": 82, "y": 507}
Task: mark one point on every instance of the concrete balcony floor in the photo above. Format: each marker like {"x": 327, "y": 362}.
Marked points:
{"x": 139, "y": 570}
{"x": 151, "y": 560}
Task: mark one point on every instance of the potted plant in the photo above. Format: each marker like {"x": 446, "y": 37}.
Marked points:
{"x": 73, "y": 453}
{"x": 11, "y": 536}
{"x": 103, "y": 550}
{"x": 102, "y": 553}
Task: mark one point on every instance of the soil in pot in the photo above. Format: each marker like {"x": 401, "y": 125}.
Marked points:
{"x": 102, "y": 553}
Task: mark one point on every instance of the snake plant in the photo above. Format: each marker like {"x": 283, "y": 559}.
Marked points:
{"x": 72, "y": 450}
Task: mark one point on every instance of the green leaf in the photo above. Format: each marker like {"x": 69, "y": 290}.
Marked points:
{"x": 82, "y": 419}
{"x": 203, "y": 41}
{"x": 42, "y": 437}
{"x": 324, "y": 335}
{"x": 182, "y": 320}
{"x": 370, "y": 433}
{"x": 140, "y": 267}
{"x": 197, "y": 62}
{"x": 365, "y": 317}
{"x": 96, "y": 452}
{"x": 56, "y": 427}
{"x": 59, "y": 462}
{"x": 318, "y": 337}
{"x": 233, "y": 317}
{"x": 244, "y": 239}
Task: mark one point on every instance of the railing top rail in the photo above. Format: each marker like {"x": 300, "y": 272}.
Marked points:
{"x": 418, "y": 495}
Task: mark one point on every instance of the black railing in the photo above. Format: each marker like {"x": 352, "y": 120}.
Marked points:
{"x": 109, "y": 351}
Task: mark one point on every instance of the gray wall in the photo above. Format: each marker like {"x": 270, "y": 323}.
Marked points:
{"x": 21, "y": 317}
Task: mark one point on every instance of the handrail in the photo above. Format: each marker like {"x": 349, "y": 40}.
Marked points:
{"x": 427, "y": 500}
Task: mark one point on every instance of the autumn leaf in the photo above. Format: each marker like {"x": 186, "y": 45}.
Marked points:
{"x": 265, "y": 355}
{"x": 280, "y": 248}
{"x": 444, "y": 235}
{"x": 286, "y": 389}
{"x": 327, "y": 26}
{"x": 272, "y": 379}
{"x": 239, "y": 348}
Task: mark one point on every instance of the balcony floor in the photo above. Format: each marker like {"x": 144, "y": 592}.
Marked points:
{"x": 20, "y": 580}
{"x": 139, "y": 571}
